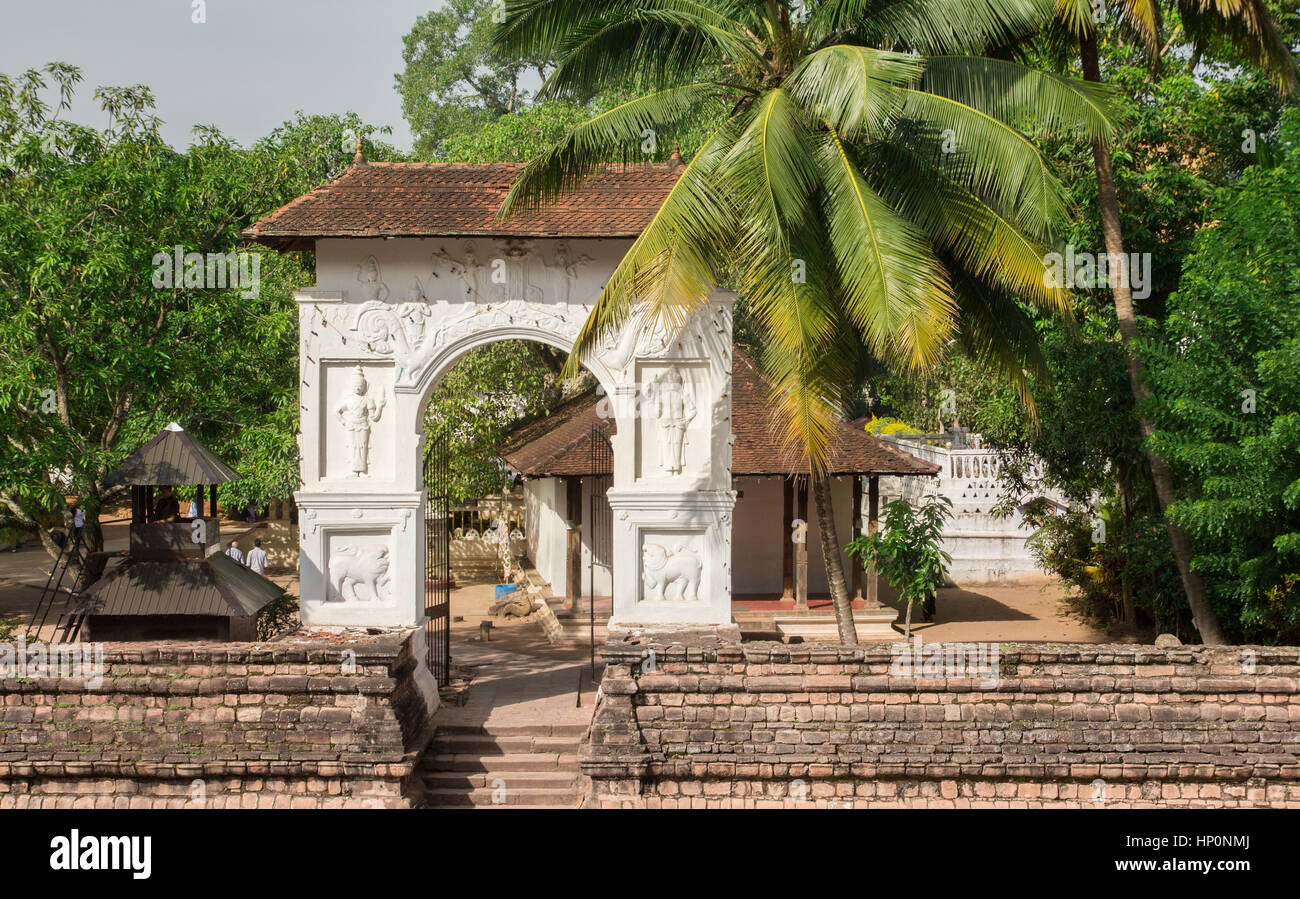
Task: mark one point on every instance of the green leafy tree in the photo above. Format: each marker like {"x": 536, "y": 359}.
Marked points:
{"x": 864, "y": 200}
{"x": 1227, "y": 380}
{"x": 515, "y": 138}
{"x": 908, "y": 552}
{"x": 479, "y": 400}
{"x": 98, "y": 353}
{"x": 1179, "y": 138}
{"x": 454, "y": 82}
{"x": 1246, "y": 27}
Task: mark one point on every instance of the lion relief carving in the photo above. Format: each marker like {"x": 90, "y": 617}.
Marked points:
{"x": 670, "y": 575}
{"x": 367, "y": 566}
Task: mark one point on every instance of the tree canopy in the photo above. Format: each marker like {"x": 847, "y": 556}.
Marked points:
{"x": 1226, "y": 377}
{"x": 99, "y": 349}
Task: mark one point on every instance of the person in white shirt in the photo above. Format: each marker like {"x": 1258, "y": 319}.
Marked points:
{"x": 235, "y": 553}
{"x": 194, "y": 508}
{"x": 257, "y": 558}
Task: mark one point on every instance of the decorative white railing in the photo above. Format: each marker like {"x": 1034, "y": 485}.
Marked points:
{"x": 957, "y": 468}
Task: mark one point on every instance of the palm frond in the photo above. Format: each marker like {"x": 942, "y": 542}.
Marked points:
{"x": 782, "y": 265}
{"x": 992, "y": 159}
{"x": 1248, "y": 26}
{"x": 1030, "y": 99}
{"x": 856, "y": 90}
{"x": 980, "y": 238}
{"x": 894, "y": 290}
{"x": 651, "y": 48}
{"x": 994, "y": 329}
{"x": 615, "y": 134}
{"x": 930, "y": 26}
{"x": 670, "y": 269}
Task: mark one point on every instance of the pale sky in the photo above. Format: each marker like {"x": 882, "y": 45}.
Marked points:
{"x": 246, "y": 70}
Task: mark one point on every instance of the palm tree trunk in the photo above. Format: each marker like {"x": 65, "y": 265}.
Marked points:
{"x": 1207, "y": 623}
{"x": 821, "y": 485}
{"x": 1127, "y": 607}
{"x": 907, "y": 622}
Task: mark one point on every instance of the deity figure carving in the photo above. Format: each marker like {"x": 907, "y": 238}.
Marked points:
{"x": 670, "y": 576}
{"x": 469, "y": 271}
{"x": 415, "y": 293}
{"x": 675, "y": 410}
{"x": 519, "y": 283}
{"x": 372, "y": 284}
{"x": 357, "y": 411}
{"x": 565, "y": 267}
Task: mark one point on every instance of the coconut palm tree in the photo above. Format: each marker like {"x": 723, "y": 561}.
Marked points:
{"x": 871, "y": 186}
{"x": 1246, "y": 25}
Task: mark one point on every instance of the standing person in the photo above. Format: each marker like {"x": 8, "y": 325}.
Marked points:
{"x": 257, "y": 558}
{"x": 78, "y": 523}
{"x": 194, "y": 508}
{"x": 168, "y": 508}
{"x": 234, "y": 552}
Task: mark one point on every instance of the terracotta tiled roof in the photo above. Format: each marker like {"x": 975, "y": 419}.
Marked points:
{"x": 419, "y": 199}
{"x": 761, "y": 447}
{"x": 560, "y": 445}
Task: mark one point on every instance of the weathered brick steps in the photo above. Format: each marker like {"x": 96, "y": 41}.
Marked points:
{"x": 503, "y": 766}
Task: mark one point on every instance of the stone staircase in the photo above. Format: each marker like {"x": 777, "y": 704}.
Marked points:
{"x": 504, "y": 766}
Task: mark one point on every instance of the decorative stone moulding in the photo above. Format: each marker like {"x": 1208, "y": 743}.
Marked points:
{"x": 389, "y": 317}
{"x": 353, "y": 549}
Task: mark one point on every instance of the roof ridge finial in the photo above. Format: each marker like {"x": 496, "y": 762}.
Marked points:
{"x": 676, "y": 157}
{"x": 358, "y": 158}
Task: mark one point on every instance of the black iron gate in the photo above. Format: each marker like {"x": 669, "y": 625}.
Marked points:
{"x": 600, "y": 521}
{"x": 437, "y": 557}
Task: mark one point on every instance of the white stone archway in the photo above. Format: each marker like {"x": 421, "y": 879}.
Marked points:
{"x": 389, "y": 317}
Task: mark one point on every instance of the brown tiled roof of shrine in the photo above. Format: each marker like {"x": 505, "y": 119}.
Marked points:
{"x": 761, "y": 446}
{"x": 448, "y": 199}
{"x": 172, "y": 457}
{"x": 560, "y": 445}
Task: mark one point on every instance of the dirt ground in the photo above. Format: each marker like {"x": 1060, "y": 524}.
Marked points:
{"x": 469, "y": 605}
{"x": 1037, "y": 610}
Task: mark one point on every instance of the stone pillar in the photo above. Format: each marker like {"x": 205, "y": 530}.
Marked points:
{"x": 672, "y": 498}
{"x": 361, "y": 521}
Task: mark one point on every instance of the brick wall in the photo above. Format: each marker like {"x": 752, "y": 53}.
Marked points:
{"x": 302, "y": 724}
{"x": 767, "y": 724}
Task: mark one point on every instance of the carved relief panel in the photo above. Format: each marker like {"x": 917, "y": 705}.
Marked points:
{"x": 358, "y": 562}
{"x": 674, "y": 420}
{"x": 672, "y": 566}
{"x": 357, "y": 421}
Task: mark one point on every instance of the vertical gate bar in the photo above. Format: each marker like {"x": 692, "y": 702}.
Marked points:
{"x": 601, "y": 470}
{"x": 437, "y": 556}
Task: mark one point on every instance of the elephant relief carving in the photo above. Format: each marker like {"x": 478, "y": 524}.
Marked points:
{"x": 670, "y": 575}
{"x": 367, "y": 566}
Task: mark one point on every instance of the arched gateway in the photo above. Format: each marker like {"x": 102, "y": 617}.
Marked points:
{"x": 413, "y": 270}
